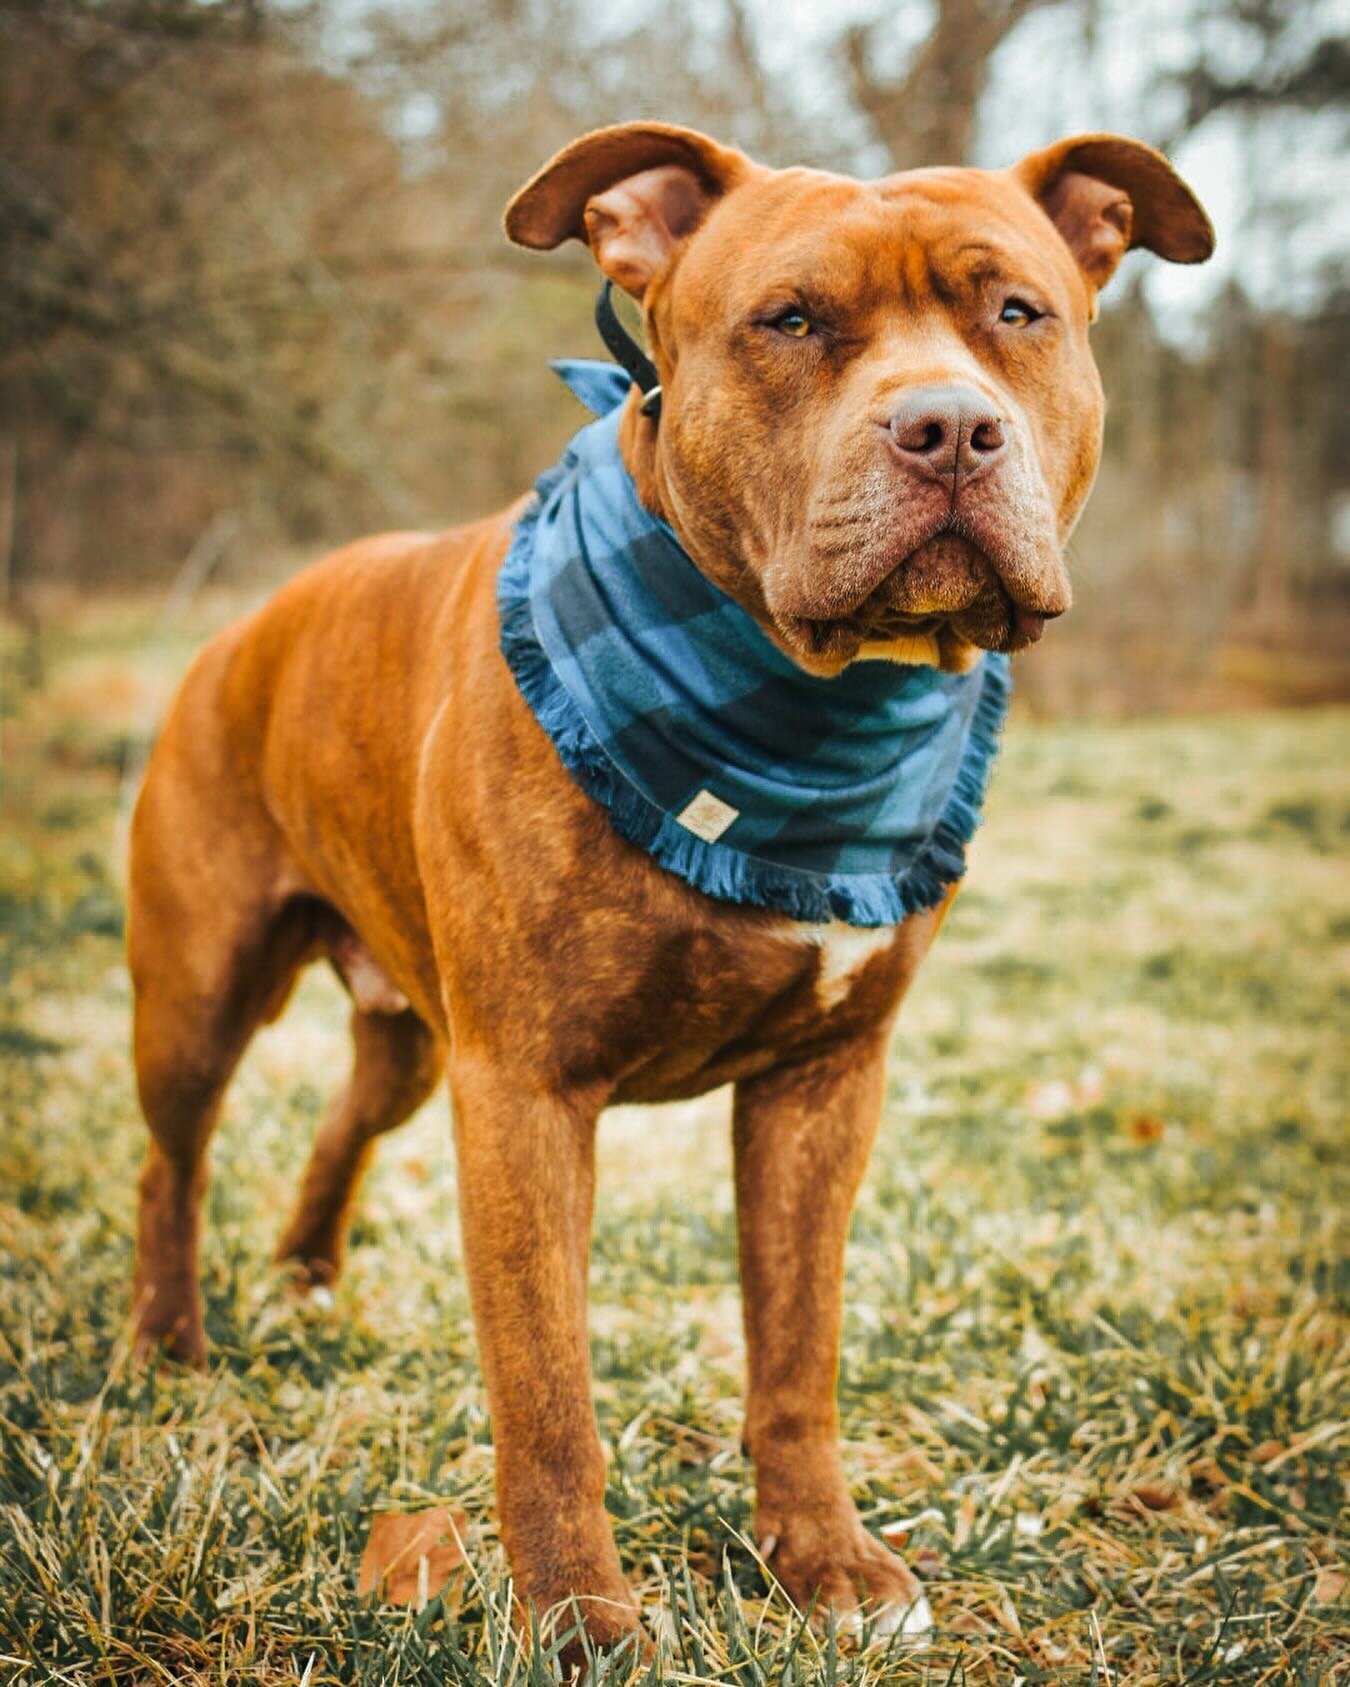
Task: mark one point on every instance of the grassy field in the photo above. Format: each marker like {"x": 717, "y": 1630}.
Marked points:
{"x": 1096, "y": 1330}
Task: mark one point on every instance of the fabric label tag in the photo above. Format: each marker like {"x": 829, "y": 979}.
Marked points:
{"x": 707, "y": 816}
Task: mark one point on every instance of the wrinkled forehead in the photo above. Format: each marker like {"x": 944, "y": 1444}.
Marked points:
{"x": 926, "y": 237}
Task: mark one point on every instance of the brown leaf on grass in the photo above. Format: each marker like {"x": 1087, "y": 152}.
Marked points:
{"x": 1156, "y": 1499}
{"x": 1330, "y": 1587}
{"x": 412, "y": 1555}
{"x": 1144, "y": 1128}
{"x": 927, "y": 1563}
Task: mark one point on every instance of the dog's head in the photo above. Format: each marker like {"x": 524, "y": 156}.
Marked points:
{"x": 880, "y": 416}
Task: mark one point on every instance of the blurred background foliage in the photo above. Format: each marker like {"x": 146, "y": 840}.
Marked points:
{"x": 254, "y": 298}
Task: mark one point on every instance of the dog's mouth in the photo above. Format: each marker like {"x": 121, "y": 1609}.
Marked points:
{"x": 940, "y": 606}
{"x": 845, "y": 636}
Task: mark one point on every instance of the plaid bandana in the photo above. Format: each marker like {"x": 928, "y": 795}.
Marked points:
{"x": 827, "y": 799}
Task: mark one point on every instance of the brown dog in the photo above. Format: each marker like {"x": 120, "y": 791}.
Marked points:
{"x": 880, "y": 420}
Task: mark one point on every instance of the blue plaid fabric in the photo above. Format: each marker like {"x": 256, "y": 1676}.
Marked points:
{"x": 849, "y": 798}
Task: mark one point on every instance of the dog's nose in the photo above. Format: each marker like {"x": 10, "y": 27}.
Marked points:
{"x": 951, "y": 431}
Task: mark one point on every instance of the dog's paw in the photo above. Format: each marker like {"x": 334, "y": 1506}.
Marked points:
{"x": 166, "y": 1317}
{"x": 840, "y": 1570}
{"x": 183, "y": 1342}
{"x": 310, "y": 1269}
{"x": 611, "y": 1626}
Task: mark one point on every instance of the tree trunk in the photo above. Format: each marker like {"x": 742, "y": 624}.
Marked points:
{"x": 927, "y": 115}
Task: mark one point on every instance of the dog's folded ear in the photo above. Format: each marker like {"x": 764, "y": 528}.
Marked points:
{"x": 1106, "y": 194}
{"x": 632, "y": 192}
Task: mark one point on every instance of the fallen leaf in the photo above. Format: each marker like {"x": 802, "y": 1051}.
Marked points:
{"x": 1156, "y": 1499}
{"x": 926, "y": 1562}
{"x": 1330, "y": 1588}
{"x": 1144, "y": 1128}
{"x": 412, "y": 1555}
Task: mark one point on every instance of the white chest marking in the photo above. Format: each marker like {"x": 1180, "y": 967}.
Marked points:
{"x": 844, "y": 951}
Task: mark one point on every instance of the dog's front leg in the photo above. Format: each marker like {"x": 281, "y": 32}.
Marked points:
{"x": 526, "y": 1181}
{"x": 802, "y": 1137}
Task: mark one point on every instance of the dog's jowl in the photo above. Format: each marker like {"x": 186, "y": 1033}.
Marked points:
{"x": 658, "y": 781}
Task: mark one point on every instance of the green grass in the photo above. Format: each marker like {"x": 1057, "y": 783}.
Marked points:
{"x": 1096, "y": 1283}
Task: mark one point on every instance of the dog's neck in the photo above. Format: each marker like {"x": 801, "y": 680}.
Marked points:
{"x": 639, "y": 446}
{"x": 823, "y": 798}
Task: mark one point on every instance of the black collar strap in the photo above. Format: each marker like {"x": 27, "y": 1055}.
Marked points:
{"x": 625, "y": 350}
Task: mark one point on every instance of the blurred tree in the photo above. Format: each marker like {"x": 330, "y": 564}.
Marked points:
{"x": 180, "y": 268}
{"x": 1296, "y": 58}
{"x": 1264, "y": 64}
{"x": 925, "y": 113}
{"x": 254, "y": 294}
{"x": 232, "y": 277}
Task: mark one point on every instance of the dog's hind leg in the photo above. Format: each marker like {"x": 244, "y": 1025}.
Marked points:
{"x": 213, "y": 951}
{"x": 396, "y": 1066}
{"x": 193, "y": 1020}
{"x": 192, "y": 1024}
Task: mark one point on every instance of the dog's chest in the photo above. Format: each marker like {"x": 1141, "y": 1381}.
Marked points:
{"x": 844, "y": 952}
{"x": 751, "y": 996}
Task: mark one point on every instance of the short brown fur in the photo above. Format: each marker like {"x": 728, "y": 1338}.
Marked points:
{"x": 352, "y": 773}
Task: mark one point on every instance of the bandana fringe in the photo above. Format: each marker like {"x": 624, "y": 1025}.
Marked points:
{"x": 727, "y": 874}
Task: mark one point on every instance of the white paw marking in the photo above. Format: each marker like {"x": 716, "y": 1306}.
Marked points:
{"x": 913, "y": 1623}
{"x": 844, "y": 951}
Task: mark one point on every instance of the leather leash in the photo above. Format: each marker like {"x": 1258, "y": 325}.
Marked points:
{"x": 625, "y": 350}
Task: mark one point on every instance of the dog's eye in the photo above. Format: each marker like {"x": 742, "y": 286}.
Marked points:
{"x": 1017, "y": 313}
{"x": 793, "y": 322}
